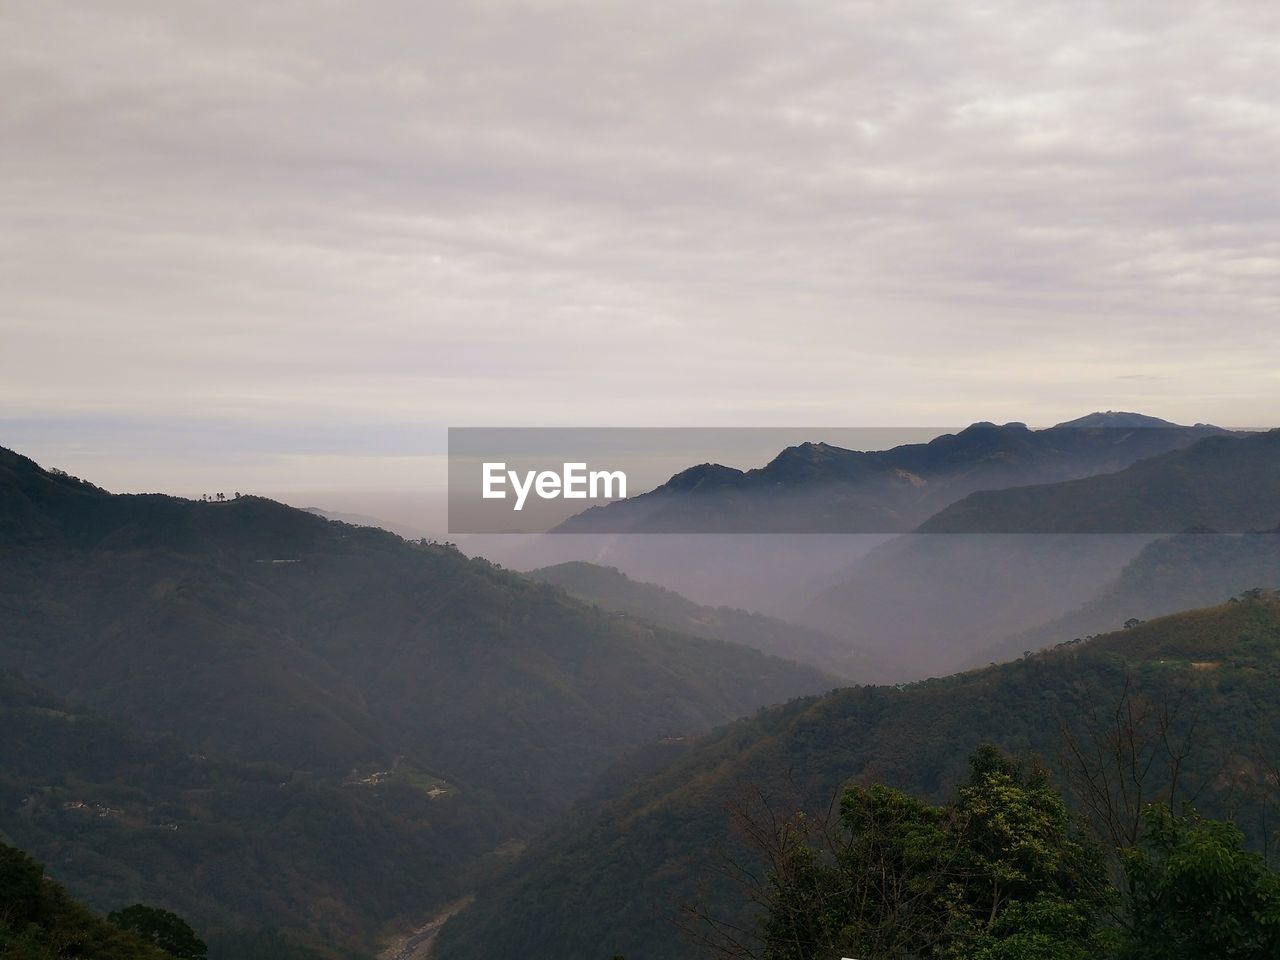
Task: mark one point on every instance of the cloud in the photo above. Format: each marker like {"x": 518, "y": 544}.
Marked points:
{"x": 597, "y": 212}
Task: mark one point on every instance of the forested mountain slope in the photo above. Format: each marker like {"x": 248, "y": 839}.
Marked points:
{"x": 262, "y": 634}
{"x": 612, "y": 880}
{"x": 121, "y": 819}
{"x": 40, "y": 921}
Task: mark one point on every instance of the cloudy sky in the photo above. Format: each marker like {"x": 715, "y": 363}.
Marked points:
{"x": 283, "y": 245}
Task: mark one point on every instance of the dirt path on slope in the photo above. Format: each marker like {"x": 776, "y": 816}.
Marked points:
{"x": 417, "y": 945}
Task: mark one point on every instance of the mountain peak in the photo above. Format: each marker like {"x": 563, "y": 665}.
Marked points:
{"x": 988, "y": 425}
{"x": 703, "y": 475}
{"x": 1115, "y": 418}
{"x": 808, "y": 452}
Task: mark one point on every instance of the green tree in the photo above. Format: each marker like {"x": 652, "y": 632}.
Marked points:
{"x": 1030, "y": 875}
{"x": 1046, "y": 928}
{"x": 164, "y": 929}
{"x": 879, "y": 884}
{"x": 21, "y": 888}
{"x": 1002, "y": 872}
{"x": 1197, "y": 892}
{"x": 40, "y": 921}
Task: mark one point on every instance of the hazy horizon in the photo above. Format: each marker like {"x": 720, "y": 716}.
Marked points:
{"x": 284, "y": 247}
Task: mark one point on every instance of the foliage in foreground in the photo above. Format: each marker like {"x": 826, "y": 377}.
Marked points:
{"x": 163, "y": 929}
{"x": 1003, "y": 872}
{"x": 40, "y": 921}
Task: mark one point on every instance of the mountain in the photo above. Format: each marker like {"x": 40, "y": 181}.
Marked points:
{"x": 1117, "y": 420}
{"x": 1194, "y": 569}
{"x": 611, "y": 589}
{"x": 120, "y": 819}
{"x": 770, "y": 573}
{"x": 1230, "y": 484}
{"x": 1003, "y": 562}
{"x": 817, "y": 487}
{"x": 927, "y": 605}
{"x": 938, "y": 601}
{"x": 262, "y": 634}
{"x": 610, "y": 881}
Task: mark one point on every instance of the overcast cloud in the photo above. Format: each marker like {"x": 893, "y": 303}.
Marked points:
{"x": 345, "y": 226}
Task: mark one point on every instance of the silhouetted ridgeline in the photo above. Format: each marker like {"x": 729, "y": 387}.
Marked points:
{"x": 1230, "y": 484}
{"x": 820, "y": 488}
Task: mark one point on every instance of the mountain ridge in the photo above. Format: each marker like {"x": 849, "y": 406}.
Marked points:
{"x": 611, "y": 589}
{"x": 819, "y": 487}
{"x": 1230, "y": 484}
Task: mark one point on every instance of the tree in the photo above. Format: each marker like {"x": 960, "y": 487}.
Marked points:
{"x": 1001, "y": 872}
{"x": 1197, "y": 892}
{"x": 40, "y": 921}
{"x": 164, "y": 929}
{"x": 1120, "y": 757}
{"x": 1034, "y": 884}
{"x": 21, "y": 880}
{"x": 880, "y": 884}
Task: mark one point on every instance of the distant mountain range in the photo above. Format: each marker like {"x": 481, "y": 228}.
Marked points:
{"x": 1230, "y": 484}
{"x": 349, "y": 659}
{"x": 817, "y": 487}
{"x": 1013, "y": 560}
{"x": 1010, "y": 501}
{"x": 615, "y": 879}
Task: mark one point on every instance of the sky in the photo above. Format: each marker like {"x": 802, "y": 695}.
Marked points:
{"x": 283, "y": 245}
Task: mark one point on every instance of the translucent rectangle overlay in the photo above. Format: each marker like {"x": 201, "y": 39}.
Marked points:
{"x": 1082, "y": 477}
